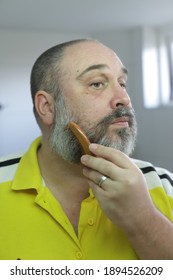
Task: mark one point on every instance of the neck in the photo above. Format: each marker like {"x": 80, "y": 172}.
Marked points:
{"x": 63, "y": 178}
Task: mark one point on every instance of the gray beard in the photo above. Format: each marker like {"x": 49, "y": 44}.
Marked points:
{"x": 64, "y": 144}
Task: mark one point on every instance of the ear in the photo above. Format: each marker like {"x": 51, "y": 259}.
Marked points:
{"x": 44, "y": 104}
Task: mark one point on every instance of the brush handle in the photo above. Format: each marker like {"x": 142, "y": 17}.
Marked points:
{"x": 81, "y": 137}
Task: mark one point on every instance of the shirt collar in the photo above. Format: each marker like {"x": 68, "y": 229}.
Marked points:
{"x": 28, "y": 172}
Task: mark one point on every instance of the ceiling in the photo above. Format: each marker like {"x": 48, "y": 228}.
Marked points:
{"x": 83, "y": 15}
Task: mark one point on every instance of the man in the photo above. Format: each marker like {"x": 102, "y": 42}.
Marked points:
{"x": 56, "y": 203}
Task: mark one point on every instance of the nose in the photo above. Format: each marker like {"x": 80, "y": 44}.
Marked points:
{"x": 120, "y": 98}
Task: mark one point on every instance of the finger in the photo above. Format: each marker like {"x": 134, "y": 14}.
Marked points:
{"x": 96, "y": 178}
{"x": 98, "y": 192}
{"x": 115, "y": 156}
{"x": 102, "y": 166}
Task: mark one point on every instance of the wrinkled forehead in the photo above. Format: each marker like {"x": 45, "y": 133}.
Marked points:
{"x": 85, "y": 54}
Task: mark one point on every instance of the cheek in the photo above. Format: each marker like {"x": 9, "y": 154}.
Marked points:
{"x": 87, "y": 111}
{"x": 89, "y": 115}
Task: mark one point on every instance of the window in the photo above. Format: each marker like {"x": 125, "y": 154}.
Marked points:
{"x": 157, "y": 63}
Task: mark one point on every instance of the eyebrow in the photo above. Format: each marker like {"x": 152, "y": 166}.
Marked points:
{"x": 92, "y": 67}
{"x": 98, "y": 67}
{"x": 124, "y": 70}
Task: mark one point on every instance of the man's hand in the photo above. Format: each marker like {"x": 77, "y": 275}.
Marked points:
{"x": 123, "y": 196}
{"x": 125, "y": 199}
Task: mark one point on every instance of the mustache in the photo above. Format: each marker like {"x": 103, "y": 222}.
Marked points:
{"x": 99, "y": 130}
{"x": 118, "y": 113}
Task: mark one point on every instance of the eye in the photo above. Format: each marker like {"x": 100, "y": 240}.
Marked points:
{"x": 123, "y": 85}
{"x": 97, "y": 85}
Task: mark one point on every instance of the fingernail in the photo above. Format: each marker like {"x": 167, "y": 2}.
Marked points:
{"x": 85, "y": 170}
{"x": 93, "y": 147}
{"x": 84, "y": 158}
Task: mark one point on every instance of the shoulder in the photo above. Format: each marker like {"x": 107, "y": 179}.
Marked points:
{"x": 8, "y": 166}
{"x": 156, "y": 176}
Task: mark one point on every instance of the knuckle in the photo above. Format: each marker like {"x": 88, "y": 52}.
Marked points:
{"x": 108, "y": 169}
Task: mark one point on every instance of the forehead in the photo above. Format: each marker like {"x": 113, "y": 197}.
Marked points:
{"x": 83, "y": 55}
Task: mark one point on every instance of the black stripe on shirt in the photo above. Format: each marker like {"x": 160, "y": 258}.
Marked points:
{"x": 163, "y": 176}
{"x": 166, "y": 176}
{"x": 147, "y": 169}
{"x": 9, "y": 162}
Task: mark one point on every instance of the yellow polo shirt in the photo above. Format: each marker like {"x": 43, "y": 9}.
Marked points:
{"x": 33, "y": 225}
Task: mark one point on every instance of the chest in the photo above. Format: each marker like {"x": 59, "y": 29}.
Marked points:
{"x": 72, "y": 211}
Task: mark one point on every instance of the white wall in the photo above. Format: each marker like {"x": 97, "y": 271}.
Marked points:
{"x": 18, "y": 52}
